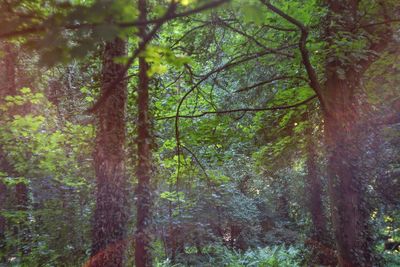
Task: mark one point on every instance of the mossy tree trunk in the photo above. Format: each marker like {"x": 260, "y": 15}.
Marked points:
{"x": 110, "y": 215}
{"x": 143, "y": 172}
{"x": 347, "y": 180}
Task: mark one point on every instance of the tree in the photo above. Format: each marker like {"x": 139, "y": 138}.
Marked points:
{"x": 143, "y": 191}
{"x": 110, "y": 215}
{"x": 345, "y": 116}
{"x": 228, "y": 109}
{"x": 8, "y": 88}
{"x": 320, "y": 240}
{"x": 12, "y": 80}
{"x": 344, "y": 108}
{"x": 10, "y": 62}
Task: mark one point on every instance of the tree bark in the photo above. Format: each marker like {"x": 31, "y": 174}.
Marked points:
{"x": 347, "y": 190}
{"x": 10, "y": 64}
{"x": 143, "y": 191}
{"x": 110, "y": 215}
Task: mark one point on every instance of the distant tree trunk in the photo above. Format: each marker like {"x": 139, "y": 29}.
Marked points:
{"x": 143, "y": 191}
{"x": 10, "y": 65}
{"x": 3, "y": 192}
{"x": 9, "y": 87}
{"x": 110, "y": 214}
{"x": 282, "y": 202}
{"x": 282, "y": 206}
{"x": 314, "y": 188}
{"x": 21, "y": 193}
{"x": 323, "y": 252}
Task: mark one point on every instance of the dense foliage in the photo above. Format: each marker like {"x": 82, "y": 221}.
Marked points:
{"x": 199, "y": 133}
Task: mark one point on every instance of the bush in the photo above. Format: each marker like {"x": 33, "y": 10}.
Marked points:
{"x": 276, "y": 256}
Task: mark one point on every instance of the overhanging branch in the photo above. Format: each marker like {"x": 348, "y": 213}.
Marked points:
{"x": 217, "y": 112}
{"x": 312, "y": 75}
{"x": 136, "y": 53}
{"x": 43, "y": 27}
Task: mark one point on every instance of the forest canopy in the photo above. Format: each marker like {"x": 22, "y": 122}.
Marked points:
{"x": 199, "y": 133}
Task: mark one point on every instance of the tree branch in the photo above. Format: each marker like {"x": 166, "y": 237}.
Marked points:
{"x": 197, "y": 160}
{"x": 380, "y": 23}
{"x": 314, "y": 83}
{"x": 251, "y": 38}
{"x": 43, "y": 27}
{"x": 228, "y": 65}
{"x": 142, "y": 47}
{"x": 278, "y": 78}
{"x": 241, "y": 110}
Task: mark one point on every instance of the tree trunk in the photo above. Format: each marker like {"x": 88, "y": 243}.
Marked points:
{"x": 314, "y": 188}
{"x": 143, "y": 172}
{"x": 319, "y": 244}
{"x": 282, "y": 201}
{"x": 347, "y": 189}
{"x": 10, "y": 64}
{"x": 8, "y": 87}
{"x": 110, "y": 215}
{"x": 3, "y": 222}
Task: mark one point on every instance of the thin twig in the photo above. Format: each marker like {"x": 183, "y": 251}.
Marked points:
{"x": 278, "y": 78}
{"x": 197, "y": 160}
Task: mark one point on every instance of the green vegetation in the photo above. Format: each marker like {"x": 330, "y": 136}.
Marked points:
{"x": 199, "y": 133}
